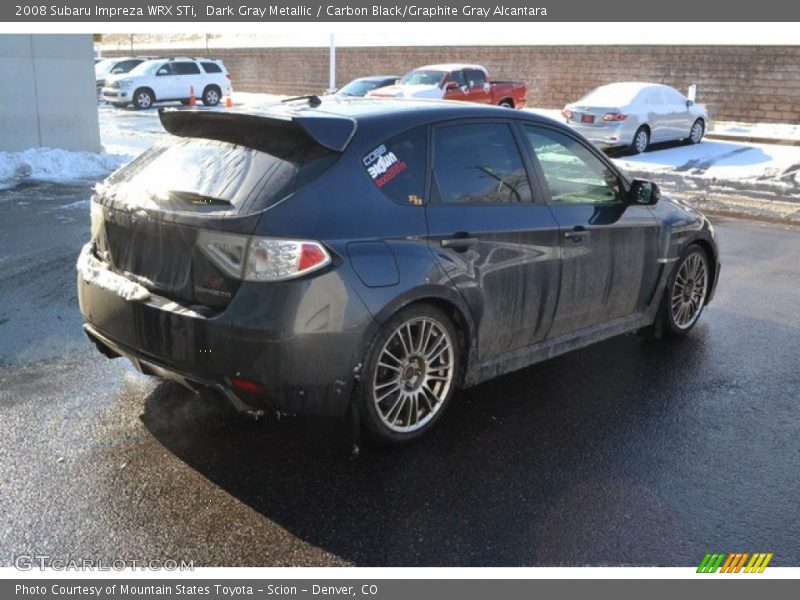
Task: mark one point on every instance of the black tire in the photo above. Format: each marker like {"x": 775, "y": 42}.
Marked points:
{"x": 376, "y": 414}
{"x": 143, "y": 98}
{"x": 641, "y": 141}
{"x": 696, "y": 132}
{"x": 667, "y": 324}
{"x": 211, "y": 95}
{"x": 507, "y": 103}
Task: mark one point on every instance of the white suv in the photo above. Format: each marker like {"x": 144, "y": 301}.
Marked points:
{"x": 164, "y": 79}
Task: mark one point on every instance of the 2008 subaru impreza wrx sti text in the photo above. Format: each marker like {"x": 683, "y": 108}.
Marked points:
{"x": 320, "y": 258}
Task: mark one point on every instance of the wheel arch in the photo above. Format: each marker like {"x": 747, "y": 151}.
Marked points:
{"x": 452, "y": 304}
{"x": 145, "y": 88}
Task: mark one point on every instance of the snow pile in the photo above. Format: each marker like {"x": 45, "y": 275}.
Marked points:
{"x": 54, "y": 165}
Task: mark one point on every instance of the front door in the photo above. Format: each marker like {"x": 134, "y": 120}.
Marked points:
{"x": 609, "y": 260}
{"x": 498, "y": 247}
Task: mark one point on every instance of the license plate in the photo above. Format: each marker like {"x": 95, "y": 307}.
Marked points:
{"x": 587, "y": 118}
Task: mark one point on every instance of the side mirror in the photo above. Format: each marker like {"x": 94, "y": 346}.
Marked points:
{"x": 644, "y": 192}
{"x": 689, "y": 103}
{"x": 450, "y": 85}
{"x": 162, "y": 71}
{"x": 117, "y": 70}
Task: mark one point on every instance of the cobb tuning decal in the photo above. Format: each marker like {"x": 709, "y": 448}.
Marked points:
{"x": 383, "y": 166}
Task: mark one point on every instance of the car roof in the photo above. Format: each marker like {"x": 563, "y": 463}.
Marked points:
{"x": 451, "y": 67}
{"x": 333, "y": 121}
{"x": 376, "y": 77}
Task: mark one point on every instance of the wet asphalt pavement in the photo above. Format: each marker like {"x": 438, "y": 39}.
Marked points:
{"x": 631, "y": 452}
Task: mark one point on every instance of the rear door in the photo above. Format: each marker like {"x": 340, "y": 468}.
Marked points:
{"x": 659, "y": 115}
{"x": 496, "y": 244}
{"x": 608, "y": 247}
{"x": 187, "y": 79}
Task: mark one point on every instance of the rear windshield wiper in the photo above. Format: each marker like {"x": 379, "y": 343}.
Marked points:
{"x": 197, "y": 199}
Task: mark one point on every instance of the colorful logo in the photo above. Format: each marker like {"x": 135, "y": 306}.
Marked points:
{"x": 735, "y": 562}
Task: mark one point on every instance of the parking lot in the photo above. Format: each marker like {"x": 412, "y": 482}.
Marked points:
{"x": 630, "y": 452}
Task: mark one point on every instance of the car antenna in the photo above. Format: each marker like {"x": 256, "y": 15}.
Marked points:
{"x": 313, "y": 100}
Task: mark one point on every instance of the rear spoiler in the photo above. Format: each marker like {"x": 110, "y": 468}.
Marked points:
{"x": 259, "y": 131}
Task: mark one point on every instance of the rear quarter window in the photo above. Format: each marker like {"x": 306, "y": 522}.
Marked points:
{"x": 398, "y": 166}
{"x": 210, "y": 67}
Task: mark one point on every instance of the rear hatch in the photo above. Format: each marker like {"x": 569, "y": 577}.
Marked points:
{"x": 212, "y": 179}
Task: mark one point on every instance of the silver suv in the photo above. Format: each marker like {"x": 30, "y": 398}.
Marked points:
{"x": 164, "y": 79}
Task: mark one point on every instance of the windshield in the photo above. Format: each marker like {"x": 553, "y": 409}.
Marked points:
{"x": 616, "y": 94}
{"x": 104, "y": 66}
{"x": 148, "y": 67}
{"x": 358, "y": 87}
{"x": 423, "y": 78}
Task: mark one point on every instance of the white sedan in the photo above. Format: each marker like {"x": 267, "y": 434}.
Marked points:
{"x": 636, "y": 114}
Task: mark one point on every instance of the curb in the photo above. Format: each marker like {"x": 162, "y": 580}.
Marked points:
{"x": 753, "y": 139}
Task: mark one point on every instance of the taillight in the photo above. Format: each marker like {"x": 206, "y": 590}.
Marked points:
{"x": 228, "y": 75}
{"x": 260, "y": 258}
{"x": 96, "y": 219}
{"x": 614, "y": 116}
{"x": 566, "y": 113}
{"x": 276, "y": 260}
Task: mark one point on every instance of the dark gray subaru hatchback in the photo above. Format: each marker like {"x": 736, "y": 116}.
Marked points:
{"x": 369, "y": 257}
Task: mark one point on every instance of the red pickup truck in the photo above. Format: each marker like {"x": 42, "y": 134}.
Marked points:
{"x": 455, "y": 82}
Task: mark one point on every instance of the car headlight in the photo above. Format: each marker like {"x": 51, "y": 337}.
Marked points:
{"x": 125, "y": 83}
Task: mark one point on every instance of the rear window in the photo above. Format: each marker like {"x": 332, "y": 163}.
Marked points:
{"x": 211, "y": 67}
{"x": 202, "y": 175}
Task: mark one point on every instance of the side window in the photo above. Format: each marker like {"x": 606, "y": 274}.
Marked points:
{"x": 458, "y": 77}
{"x": 475, "y": 77}
{"x": 650, "y": 97}
{"x": 673, "y": 96}
{"x": 211, "y": 67}
{"x": 185, "y": 68}
{"x": 478, "y": 164}
{"x": 572, "y": 172}
{"x": 399, "y": 166}
{"x": 126, "y": 65}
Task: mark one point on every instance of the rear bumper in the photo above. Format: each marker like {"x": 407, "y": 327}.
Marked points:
{"x": 609, "y": 135}
{"x": 301, "y": 341}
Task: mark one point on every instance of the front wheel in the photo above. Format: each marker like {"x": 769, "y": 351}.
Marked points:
{"x": 686, "y": 293}
{"x": 641, "y": 140}
{"x": 409, "y": 374}
{"x": 697, "y": 131}
{"x": 143, "y": 99}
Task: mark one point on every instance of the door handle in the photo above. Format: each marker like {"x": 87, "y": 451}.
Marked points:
{"x": 578, "y": 234}
{"x": 459, "y": 242}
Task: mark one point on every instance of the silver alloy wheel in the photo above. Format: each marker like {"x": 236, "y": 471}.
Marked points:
{"x": 211, "y": 98}
{"x": 414, "y": 374}
{"x": 642, "y": 140}
{"x": 143, "y": 100}
{"x": 689, "y": 290}
{"x": 696, "y": 134}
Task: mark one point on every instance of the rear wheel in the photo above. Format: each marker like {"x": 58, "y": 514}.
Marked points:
{"x": 507, "y": 104}
{"x": 686, "y": 293}
{"x": 409, "y": 374}
{"x": 143, "y": 98}
{"x": 641, "y": 140}
{"x": 211, "y": 95}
